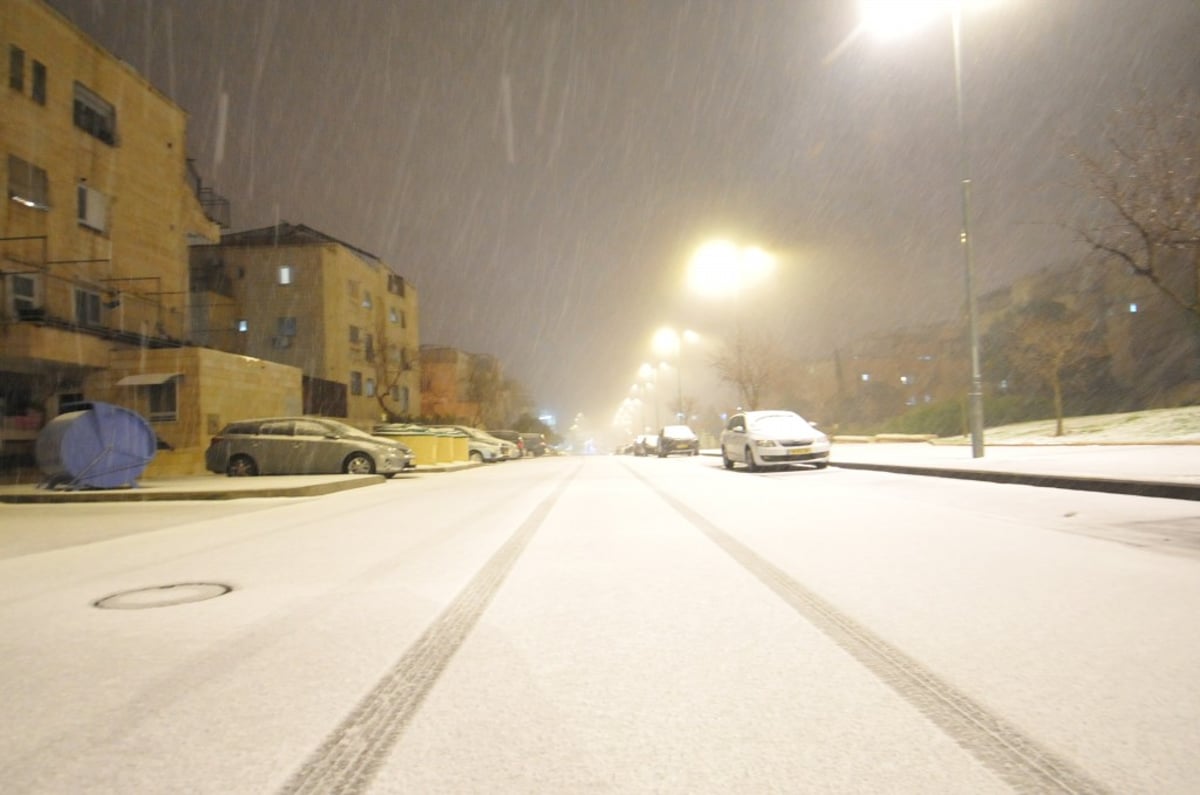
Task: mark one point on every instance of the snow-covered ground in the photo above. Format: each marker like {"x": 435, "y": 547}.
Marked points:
{"x": 1156, "y": 426}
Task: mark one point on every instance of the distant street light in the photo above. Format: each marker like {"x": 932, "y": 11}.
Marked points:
{"x": 649, "y": 375}
{"x": 892, "y": 17}
{"x": 668, "y": 343}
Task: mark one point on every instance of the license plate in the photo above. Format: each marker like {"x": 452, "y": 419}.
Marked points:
{"x": 799, "y": 451}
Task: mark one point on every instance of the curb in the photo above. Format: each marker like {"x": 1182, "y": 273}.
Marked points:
{"x": 147, "y": 493}
{"x": 1140, "y": 488}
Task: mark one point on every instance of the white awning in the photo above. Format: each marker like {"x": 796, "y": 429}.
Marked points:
{"x": 147, "y": 379}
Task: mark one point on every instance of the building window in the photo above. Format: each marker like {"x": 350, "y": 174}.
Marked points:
{"x": 87, "y": 308}
{"x": 367, "y": 299}
{"x": 91, "y": 208}
{"x": 369, "y": 347}
{"x": 285, "y": 332}
{"x": 39, "y": 83}
{"x": 94, "y": 116}
{"x": 404, "y": 400}
{"x": 27, "y": 184}
{"x": 285, "y": 274}
{"x": 396, "y": 284}
{"x": 163, "y": 401}
{"x": 352, "y": 288}
{"x": 24, "y": 294}
{"x": 370, "y": 387}
{"x": 354, "y": 334}
{"x": 355, "y": 383}
{"x": 395, "y": 393}
{"x": 242, "y": 325}
{"x": 16, "y": 68}
{"x": 865, "y": 376}
{"x": 1133, "y": 308}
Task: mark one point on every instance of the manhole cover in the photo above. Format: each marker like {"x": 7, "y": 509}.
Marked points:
{"x": 163, "y": 595}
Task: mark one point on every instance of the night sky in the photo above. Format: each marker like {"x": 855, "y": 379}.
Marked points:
{"x": 543, "y": 171}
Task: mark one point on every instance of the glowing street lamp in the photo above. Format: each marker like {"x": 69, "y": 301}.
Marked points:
{"x": 889, "y": 18}
{"x": 721, "y": 267}
{"x": 669, "y": 343}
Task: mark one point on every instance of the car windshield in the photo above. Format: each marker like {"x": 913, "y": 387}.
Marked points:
{"x": 779, "y": 424}
{"x": 678, "y": 432}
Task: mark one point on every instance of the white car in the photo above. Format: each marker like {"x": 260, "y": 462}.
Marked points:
{"x": 487, "y": 448}
{"x": 766, "y": 438}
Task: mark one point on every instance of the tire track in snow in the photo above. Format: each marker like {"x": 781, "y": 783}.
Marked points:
{"x": 351, "y": 756}
{"x": 1015, "y": 758}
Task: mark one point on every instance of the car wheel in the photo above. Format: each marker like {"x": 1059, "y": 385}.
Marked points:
{"x": 750, "y": 463}
{"x": 241, "y": 466}
{"x": 726, "y": 460}
{"x": 358, "y": 464}
{"x": 477, "y": 456}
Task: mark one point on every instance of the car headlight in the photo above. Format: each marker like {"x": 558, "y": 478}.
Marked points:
{"x": 765, "y": 443}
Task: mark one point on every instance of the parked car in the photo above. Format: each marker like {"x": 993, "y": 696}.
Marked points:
{"x": 535, "y": 444}
{"x": 764, "y": 438}
{"x": 513, "y": 437}
{"x": 303, "y": 446}
{"x": 482, "y": 446}
{"x": 677, "y": 439}
{"x": 644, "y": 443}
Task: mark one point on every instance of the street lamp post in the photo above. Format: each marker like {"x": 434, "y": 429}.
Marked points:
{"x": 975, "y": 396}
{"x": 886, "y": 16}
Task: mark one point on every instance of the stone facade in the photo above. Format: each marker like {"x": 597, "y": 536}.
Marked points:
{"x": 293, "y": 295}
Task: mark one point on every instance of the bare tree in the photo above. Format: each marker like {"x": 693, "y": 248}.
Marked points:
{"x": 749, "y": 361}
{"x": 392, "y": 362}
{"x": 1045, "y": 341}
{"x": 1146, "y": 185}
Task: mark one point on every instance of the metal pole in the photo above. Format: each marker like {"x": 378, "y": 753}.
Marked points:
{"x": 975, "y": 396}
{"x": 680, "y": 415}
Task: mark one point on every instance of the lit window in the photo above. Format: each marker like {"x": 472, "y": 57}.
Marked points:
{"x": 367, "y": 299}
{"x": 94, "y": 116}
{"x": 27, "y": 184}
{"x": 370, "y": 387}
{"x": 91, "y": 208}
{"x": 393, "y": 315}
{"x": 905, "y": 380}
{"x": 1133, "y": 308}
{"x": 243, "y": 326}
{"x": 285, "y": 274}
{"x": 865, "y": 376}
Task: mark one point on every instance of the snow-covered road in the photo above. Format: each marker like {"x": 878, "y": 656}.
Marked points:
{"x": 607, "y": 624}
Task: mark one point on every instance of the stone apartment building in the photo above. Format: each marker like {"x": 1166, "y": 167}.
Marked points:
{"x": 1152, "y": 351}
{"x": 100, "y": 209}
{"x": 467, "y": 387}
{"x": 293, "y": 295}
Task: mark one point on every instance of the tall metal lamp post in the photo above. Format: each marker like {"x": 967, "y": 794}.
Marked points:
{"x": 887, "y": 17}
